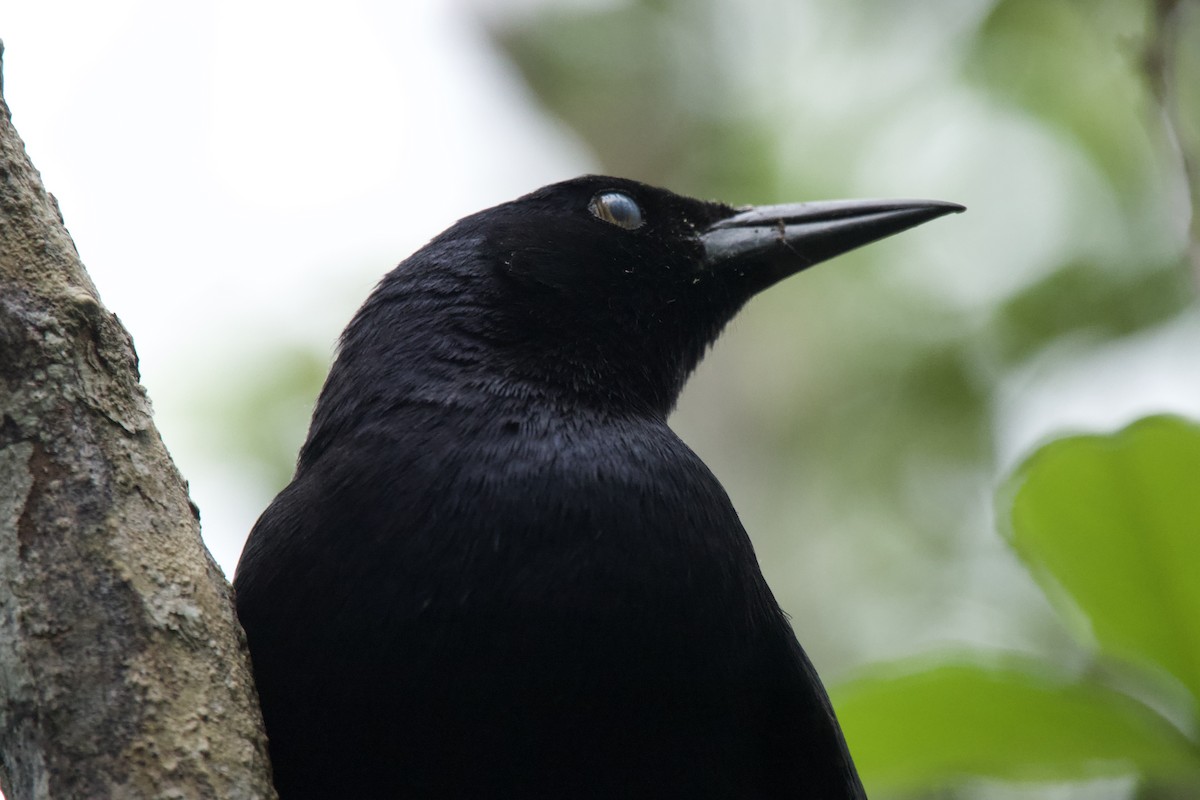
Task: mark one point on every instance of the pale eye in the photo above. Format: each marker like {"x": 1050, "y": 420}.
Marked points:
{"x": 617, "y": 208}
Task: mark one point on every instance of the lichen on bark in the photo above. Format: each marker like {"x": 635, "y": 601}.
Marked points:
{"x": 123, "y": 672}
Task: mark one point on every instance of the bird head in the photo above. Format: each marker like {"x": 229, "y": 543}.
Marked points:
{"x": 600, "y": 290}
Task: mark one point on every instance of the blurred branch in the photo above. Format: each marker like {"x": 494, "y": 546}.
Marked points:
{"x": 1160, "y": 63}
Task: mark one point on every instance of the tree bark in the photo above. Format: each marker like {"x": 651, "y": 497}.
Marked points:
{"x": 123, "y": 672}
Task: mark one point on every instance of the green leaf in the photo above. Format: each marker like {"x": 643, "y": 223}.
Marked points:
{"x": 1114, "y": 522}
{"x": 925, "y": 725}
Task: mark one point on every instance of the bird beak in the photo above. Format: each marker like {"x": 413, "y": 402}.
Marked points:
{"x": 763, "y": 245}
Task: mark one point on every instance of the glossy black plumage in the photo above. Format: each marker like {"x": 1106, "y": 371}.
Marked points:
{"x": 497, "y": 572}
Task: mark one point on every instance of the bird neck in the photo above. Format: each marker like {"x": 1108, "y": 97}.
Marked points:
{"x": 449, "y": 366}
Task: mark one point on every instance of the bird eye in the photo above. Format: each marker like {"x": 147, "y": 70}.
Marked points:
{"x": 617, "y": 208}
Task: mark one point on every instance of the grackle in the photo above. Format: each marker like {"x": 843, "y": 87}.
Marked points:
{"x": 497, "y": 573}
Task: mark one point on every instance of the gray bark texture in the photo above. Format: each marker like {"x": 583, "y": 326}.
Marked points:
{"x": 123, "y": 672}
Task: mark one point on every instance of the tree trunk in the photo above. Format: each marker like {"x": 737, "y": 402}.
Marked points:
{"x": 123, "y": 672}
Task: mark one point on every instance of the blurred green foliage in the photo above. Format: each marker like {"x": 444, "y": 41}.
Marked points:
{"x": 855, "y": 413}
{"x": 913, "y": 726}
{"x": 1106, "y": 304}
{"x": 1072, "y": 64}
{"x": 1110, "y": 526}
{"x": 270, "y": 417}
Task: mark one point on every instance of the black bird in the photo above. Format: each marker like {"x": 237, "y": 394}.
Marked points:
{"x": 497, "y": 573}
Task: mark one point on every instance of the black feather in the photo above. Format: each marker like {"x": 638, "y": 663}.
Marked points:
{"x": 497, "y": 572}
